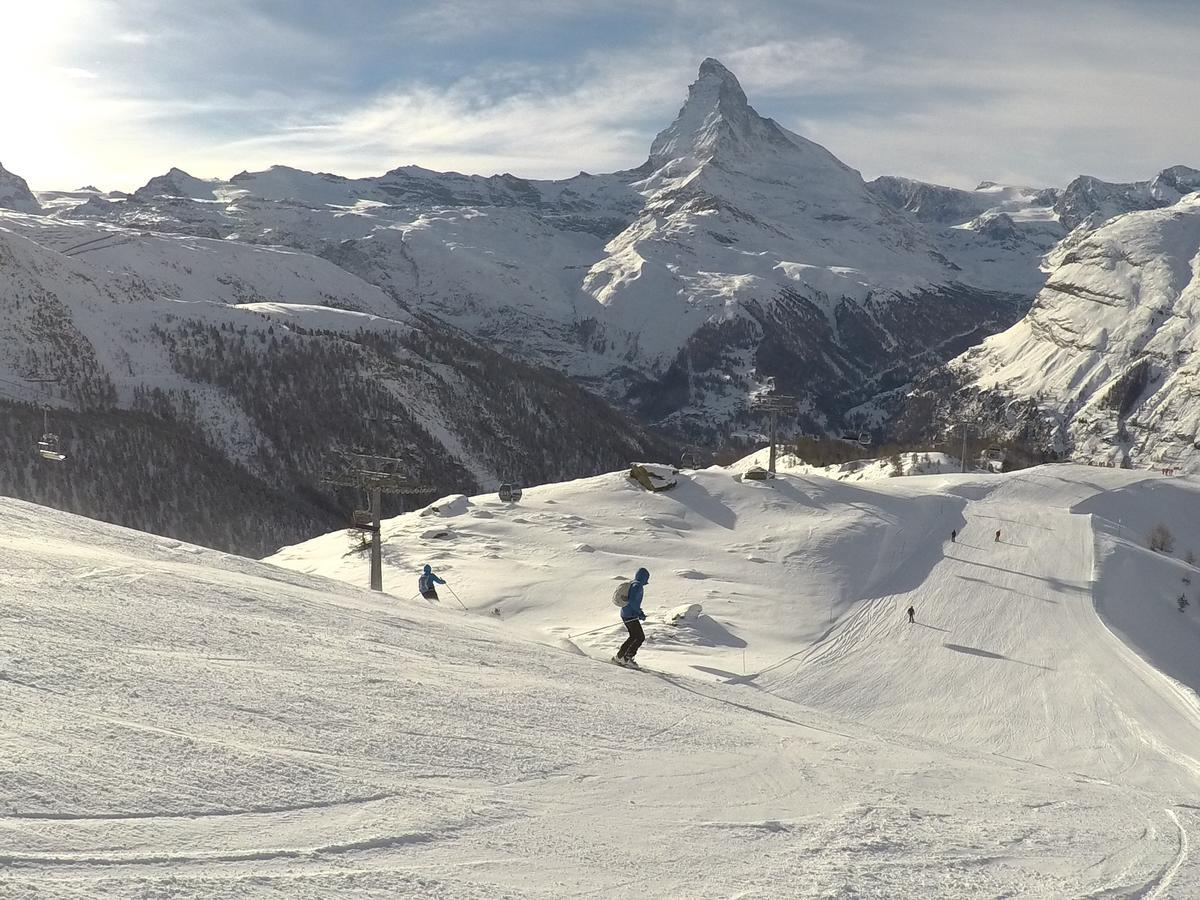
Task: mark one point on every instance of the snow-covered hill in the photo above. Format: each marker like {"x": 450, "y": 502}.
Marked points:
{"x": 1106, "y": 359}
{"x": 182, "y": 723}
{"x": 15, "y": 193}
{"x": 202, "y": 385}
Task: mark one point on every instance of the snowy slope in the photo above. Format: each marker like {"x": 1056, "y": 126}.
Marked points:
{"x": 996, "y": 234}
{"x": 267, "y": 359}
{"x": 803, "y": 582}
{"x": 936, "y": 203}
{"x": 182, "y": 723}
{"x": 1108, "y": 349}
{"x": 15, "y": 193}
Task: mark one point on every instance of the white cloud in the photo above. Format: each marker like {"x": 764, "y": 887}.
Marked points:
{"x": 935, "y": 89}
{"x": 531, "y": 131}
{"x": 789, "y": 66}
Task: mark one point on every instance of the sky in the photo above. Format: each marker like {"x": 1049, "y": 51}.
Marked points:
{"x": 112, "y": 92}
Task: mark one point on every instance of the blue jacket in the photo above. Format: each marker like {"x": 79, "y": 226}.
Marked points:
{"x": 426, "y": 582}
{"x": 633, "y": 603}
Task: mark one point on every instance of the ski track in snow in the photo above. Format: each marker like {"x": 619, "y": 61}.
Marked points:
{"x": 177, "y": 722}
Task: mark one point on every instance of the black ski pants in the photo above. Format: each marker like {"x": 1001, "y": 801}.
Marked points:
{"x": 636, "y": 638}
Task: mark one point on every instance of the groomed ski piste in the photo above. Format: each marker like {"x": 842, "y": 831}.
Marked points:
{"x": 181, "y": 723}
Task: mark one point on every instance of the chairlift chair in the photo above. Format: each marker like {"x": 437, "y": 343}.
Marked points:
{"x": 510, "y": 493}
{"x": 50, "y": 446}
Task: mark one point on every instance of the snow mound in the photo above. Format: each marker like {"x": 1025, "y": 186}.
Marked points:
{"x": 689, "y": 613}
{"x": 453, "y": 505}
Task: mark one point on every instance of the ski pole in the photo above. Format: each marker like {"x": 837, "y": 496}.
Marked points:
{"x": 458, "y": 598}
{"x": 593, "y": 631}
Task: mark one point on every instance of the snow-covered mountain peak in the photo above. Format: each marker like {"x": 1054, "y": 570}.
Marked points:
{"x": 1174, "y": 183}
{"x": 15, "y": 193}
{"x": 178, "y": 183}
{"x": 716, "y": 120}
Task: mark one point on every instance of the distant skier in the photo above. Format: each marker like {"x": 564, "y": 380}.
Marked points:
{"x": 997, "y": 535}
{"x": 953, "y": 535}
{"x": 632, "y": 616}
{"x": 912, "y": 615}
{"x": 426, "y": 584}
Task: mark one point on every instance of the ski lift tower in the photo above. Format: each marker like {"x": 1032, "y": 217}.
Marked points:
{"x": 772, "y": 405}
{"x": 375, "y": 476}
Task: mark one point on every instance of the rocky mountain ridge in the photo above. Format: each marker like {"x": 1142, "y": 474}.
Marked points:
{"x": 736, "y": 257}
{"x": 15, "y": 193}
{"x": 1105, "y": 367}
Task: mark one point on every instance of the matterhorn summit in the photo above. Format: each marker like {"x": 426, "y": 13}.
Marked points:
{"x": 15, "y": 193}
{"x": 716, "y": 120}
{"x": 717, "y": 124}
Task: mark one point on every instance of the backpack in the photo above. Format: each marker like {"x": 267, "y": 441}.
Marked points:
{"x": 621, "y": 594}
{"x": 425, "y": 584}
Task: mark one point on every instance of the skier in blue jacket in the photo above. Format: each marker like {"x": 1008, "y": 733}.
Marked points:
{"x": 426, "y": 584}
{"x": 632, "y": 616}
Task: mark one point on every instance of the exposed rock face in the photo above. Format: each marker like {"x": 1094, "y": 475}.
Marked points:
{"x": 15, "y": 193}
{"x": 1088, "y": 198}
